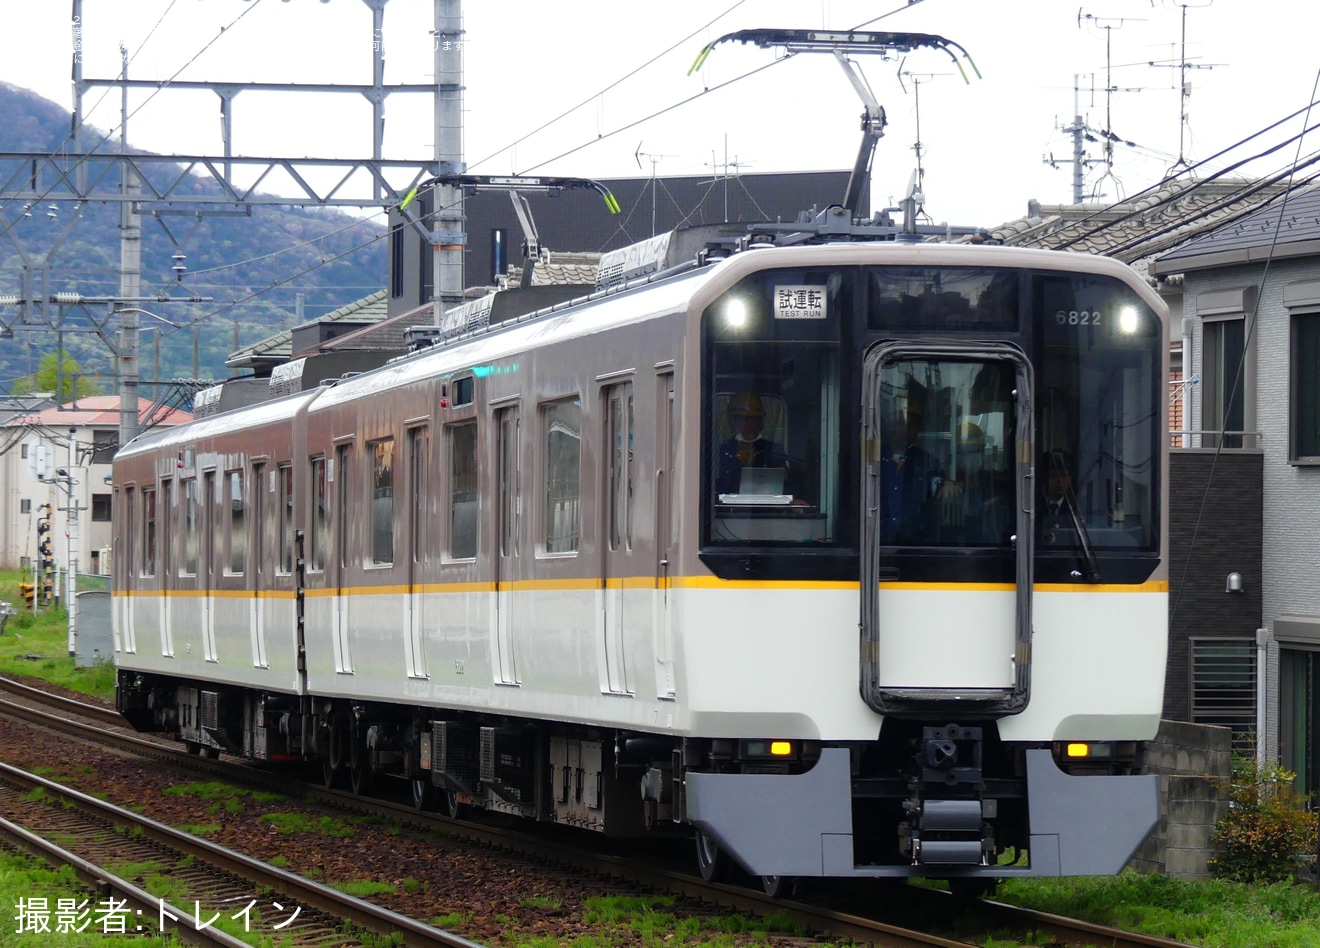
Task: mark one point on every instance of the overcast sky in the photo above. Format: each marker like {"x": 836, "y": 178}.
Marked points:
{"x": 525, "y": 62}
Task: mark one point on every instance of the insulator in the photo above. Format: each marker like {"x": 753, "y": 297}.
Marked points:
{"x": 9, "y": 299}
{"x": 68, "y": 298}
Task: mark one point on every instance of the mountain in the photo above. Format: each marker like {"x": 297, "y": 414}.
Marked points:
{"x": 87, "y": 261}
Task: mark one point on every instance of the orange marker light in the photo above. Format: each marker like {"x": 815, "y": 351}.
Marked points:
{"x": 1079, "y": 750}
{"x": 781, "y": 748}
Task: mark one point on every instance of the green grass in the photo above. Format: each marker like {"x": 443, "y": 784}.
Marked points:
{"x": 288, "y": 823}
{"x": 38, "y": 645}
{"x": 22, "y": 877}
{"x": 1213, "y": 914}
{"x": 364, "y": 888}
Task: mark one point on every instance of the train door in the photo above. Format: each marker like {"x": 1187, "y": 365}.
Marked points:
{"x": 343, "y": 477}
{"x": 946, "y": 544}
{"x": 508, "y": 510}
{"x": 211, "y": 535}
{"x": 415, "y": 503}
{"x": 166, "y": 567}
{"x": 257, "y": 566}
{"x": 128, "y": 572}
{"x": 665, "y": 429}
{"x": 620, "y": 565}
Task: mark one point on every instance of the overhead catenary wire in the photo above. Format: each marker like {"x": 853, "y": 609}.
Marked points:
{"x": 81, "y": 159}
{"x": 591, "y": 98}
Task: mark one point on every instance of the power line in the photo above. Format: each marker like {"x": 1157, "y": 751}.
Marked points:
{"x": 616, "y": 82}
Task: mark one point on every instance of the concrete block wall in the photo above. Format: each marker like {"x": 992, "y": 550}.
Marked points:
{"x": 1192, "y": 762}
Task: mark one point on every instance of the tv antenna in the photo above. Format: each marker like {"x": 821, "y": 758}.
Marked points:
{"x": 1181, "y": 64}
{"x": 654, "y": 159}
{"x": 720, "y": 169}
{"x": 918, "y": 148}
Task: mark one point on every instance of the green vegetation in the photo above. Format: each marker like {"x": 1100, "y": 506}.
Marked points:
{"x": 1216, "y": 914}
{"x": 25, "y": 878}
{"x": 64, "y": 379}
{"x": 288, "y": 823}
{"x": 1267, "y": 827}
{"x": 364, "y": 888}
{"x": 38, "y": 645}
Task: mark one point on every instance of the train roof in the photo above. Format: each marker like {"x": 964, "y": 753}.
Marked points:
{"x": 659, "y": 294}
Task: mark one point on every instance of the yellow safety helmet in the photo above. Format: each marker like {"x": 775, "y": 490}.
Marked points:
{"x": 746, "y": 405}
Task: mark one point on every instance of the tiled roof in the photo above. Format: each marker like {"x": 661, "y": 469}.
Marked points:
{"x": 97, "y": 410}
{"x": 1282, "y": 226}
{"x": 386, "y": 335}
{"x": 1140, "y": 228}
{"x": 279, "y": 347}
{"x": 557, "y": 268}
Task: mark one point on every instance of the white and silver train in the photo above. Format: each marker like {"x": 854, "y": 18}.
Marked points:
{"x": 849, "y": 557}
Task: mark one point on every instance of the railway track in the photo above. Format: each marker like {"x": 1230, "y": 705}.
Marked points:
{"x": 844, "y": 925}
{"x": 216, "y": 879}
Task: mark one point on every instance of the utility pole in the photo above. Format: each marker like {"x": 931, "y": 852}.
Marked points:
{"x": 71, "y": 532}
{"x": 449, "y": 230}
{"x": 130, "y": 276}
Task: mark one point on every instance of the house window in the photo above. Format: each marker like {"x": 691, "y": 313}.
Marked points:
{"x": 1224, "y": 382}
{"x": 104, "y": 446}
{"x": 24, "y": 451}
{"x": 563, "y": 465}
{"x": 101, "y": 508}
{"x": 1304, "y": 389}
{"x": 25, "y": 506}
{"x": 1223, "y": 687}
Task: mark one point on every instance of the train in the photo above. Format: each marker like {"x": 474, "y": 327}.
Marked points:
{"x": 753, "y": 547}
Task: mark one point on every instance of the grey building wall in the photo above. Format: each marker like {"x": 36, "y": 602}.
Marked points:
{"x": 1290, "y": 576}
{"x": 1214, "y": 529}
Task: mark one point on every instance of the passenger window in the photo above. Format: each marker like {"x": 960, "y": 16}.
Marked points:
{"x": 382, "y": 501}
{"x": 463, "y": 491}
{"x": 236, "y": 524}
{"x": 148, "y": 531}
{"x": 562, "y": 424}
{"x": 286, "y": 518}
{"x": 190, "y": 545}
{"x": 317, "y": 520}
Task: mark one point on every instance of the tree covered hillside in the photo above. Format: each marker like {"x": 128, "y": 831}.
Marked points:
{"x": 321, "y": 264}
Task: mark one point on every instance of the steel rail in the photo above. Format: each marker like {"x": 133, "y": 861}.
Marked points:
{"x": 840, "y": 925}
{"x": 304, "y": 891}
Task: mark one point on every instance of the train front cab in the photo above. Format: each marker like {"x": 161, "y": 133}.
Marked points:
{"x": 1011, "y": 658}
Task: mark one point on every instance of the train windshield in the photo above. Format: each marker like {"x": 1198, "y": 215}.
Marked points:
{"x": 1097, "y": 415}
{"x": 773, "y": 408}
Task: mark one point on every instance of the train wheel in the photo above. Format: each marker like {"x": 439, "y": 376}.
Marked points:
{"x": 451, "y": 807}
{"x": 423, "y": 794}
{"x": 212, "y": 753}
{"x": 778, "y": 887}
{"x": 359, "y": 777}
{"x": 192, "y": 747}
{"x": 712, "y": 862}
{"x": 329, "y": 772}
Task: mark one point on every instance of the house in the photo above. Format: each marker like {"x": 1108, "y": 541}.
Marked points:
{"x": 1251, "y": 337}
{"x": 80, "y": 439}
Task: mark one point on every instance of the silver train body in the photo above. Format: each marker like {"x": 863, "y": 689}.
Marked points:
{"x": 513, "y": 569}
